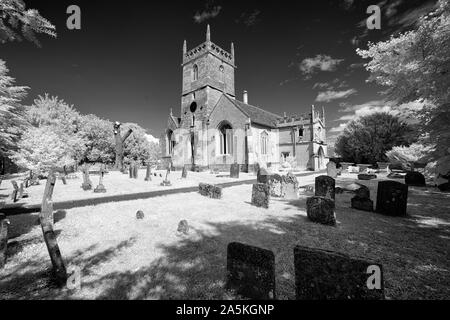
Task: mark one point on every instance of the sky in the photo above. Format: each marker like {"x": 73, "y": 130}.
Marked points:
{"x": 125, "y": 62}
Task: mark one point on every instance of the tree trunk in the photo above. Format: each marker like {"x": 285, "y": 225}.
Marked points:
{"x": 3, "y": 239}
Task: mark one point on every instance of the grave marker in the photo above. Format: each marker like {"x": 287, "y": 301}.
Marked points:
{"x": 290, "y": 187}
{"x": 184, "y": 173}
{"x": 250, "y": 271}
{"x": 183, "y": 227}
{"x": 100, "y": 188}
{"x": 209, "y": 190}
{"x": 15, "y": 192}
{"x": 261, "y": 195}
{"x": 324, "y": 187}
{"x": 392, "y": 198}
{"x": 361, "y": 200}
{"x": 321, "y": 210}
{"x": 3, "y": 238}
{"x": 262, "y": 176}
{"x": 327, "y": 275}
{"x": 414, "y": 178}
{"x": 140, "y": 215}
{"x": 148, "y": 173}
{"x": 366, "y": 176}
{"x": 87, "y": 183}
{"x": 332, "y": 170}
{"x": 234, "y": 171}
{"x": 275, "y": 183}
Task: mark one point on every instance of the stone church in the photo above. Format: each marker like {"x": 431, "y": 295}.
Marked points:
{"x": 215, "y": 129}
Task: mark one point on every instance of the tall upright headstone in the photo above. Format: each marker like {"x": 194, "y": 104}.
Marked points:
{"x": 275, "y": 183}
{"x": 184, "y": 173}
{"x": 251, "y": 271}
{"x": 392, "y": 198}
{"x": 148, "y": 173}
{"x": 332, "y": 170}
{"x": 234, "y": 171}
{"x": 261, "y": 195}
{"x": 325, "y": 187}
{"x": 87, "y": 183}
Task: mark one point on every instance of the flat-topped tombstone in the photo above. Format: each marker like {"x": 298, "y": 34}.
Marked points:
{"x": 250, "y": 271}
{"x": 324, "y": 187}
{"x": 328, "y": 275}
{"x": 234, "y": 171}
{"x": 275, "y": 183}
{"x": 366, "y": 176}
{"x": 184, "y": 173}
{"x": 261, "y": 195}
{"x": 262, "y": 176}
{"x": 332, "y": 170}
{"x": 3, "y": 238}
{"x": 290, "y": 187}
{"x": 392, "y": 198}
{"x": 414, "y": 178}
{"x": 321, "y": 210}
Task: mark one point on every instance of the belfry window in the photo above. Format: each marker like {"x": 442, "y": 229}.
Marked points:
{"x": 195, "y": 75}
{"x": 226, "y": 139}
{"x": 264, "y": 142}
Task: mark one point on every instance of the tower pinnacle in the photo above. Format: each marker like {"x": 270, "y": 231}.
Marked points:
{"x": 184, "y": 47}
{"x": 232, "y": 50}
{"x": 208, "y": 34}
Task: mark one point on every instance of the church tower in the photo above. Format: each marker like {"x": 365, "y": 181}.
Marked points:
{"x": 208, "y": 72}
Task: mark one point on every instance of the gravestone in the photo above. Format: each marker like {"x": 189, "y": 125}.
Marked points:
{"x": 261, "y": 195}
{"x": 184, "y": 173}
{"x": 363, "y": 167}
{"x": 100, "y": 188}
{"x": 20, "y": 192}
{"x": 328, "y": 275}
{"x": 275, "y": 183}
{"x": 442, "y": 177}
{"x": 183, "y": 227}
{"x": 365, "y": 176}
{"x": 15, "y": 192}
{"x": 290, "y": 187}
{"x": 87, "y": 183}
{"x": 3, "y": 238}
{"x": 234, "y": 171}
{"x": 250, "y": 271}
{"x": 130, "y": 170}
{"x": 396, "y": 175}
{"x": 392, "y": 198}
{"x": 332, "y": 170}
{"x": 256, "y": 168}
{"x": 321, "y": 210}
{"x": 262, "y": 176}
{"x": 414, "y": 178}
{"x": 324, "y": 187}
{"x": 155, "y": 174}
{"x": 361, "y": 200}
{"x": 209, "y": 190}
{"x": 148, "y": 173}
{"x": 140, "y": 215}
{"x": 135, "y": 170}
{"x": 383, "y": 166}
{"x": 166, "y": 181}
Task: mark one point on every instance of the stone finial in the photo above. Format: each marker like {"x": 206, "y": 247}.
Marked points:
{"x": 323, "y": 115}
{"x": 232, "y": 50}
{"x": 184, "y": 47}
{"x": 171, "y": 112}
{"x": 208, "y": 34}
{"x": 312, "y": 113}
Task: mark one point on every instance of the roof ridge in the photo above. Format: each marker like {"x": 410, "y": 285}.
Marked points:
{"x": 274, "y": 114}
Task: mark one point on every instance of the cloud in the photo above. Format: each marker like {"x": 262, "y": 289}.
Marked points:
{"x": 250, "y": 19}
{"x": 322, "y": 85}
{"x": 151, "y": 138}
{"x": 331, "y": 95}
{"x": 320, "y": 62}
{"x": 341, "y": 127}
{"x": 207, "y": 14}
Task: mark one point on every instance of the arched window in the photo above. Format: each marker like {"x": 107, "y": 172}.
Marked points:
{"x": 264, "y": 142}
{"x": 226, "y": 139}
{"x": 195, "y": 72}
{"x": 170, "y": 141}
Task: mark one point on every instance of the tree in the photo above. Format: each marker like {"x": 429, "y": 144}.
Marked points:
{"x": 14, "y": 16}
{"x": 366, "y": 140}
{"x": 414, "y": 66}
{"x": 136, "y": 147}
{"x": 407, "y": 156}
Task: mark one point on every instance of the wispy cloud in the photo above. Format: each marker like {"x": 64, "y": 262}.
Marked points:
{"x": 331, "y": 95}
{"x": 318, "y": 63}
{"x": 250, "y": 18}
{"x": 207, "y": 14}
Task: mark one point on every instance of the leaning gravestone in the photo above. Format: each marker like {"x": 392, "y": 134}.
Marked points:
{"x": 183, "y": 227}
{"x": 392, "y": 198}
{"x": 290, "y": 187}
{"x": 324, "y": 187}
{"x": 321, "y": 210}
{"x": 262, "y": 176}
{"x": 327, "y": 275}
{"x": 184, "y": 173}
{"x": 234, "y": 171}
{"x": 275, "y": 183}
{"x": 250, "y": 271}
{"x": 87, "y": 184}
{"x": 3, "y": 238}
{"x": 140, "y": 215}
{"x": 332, "y": 170}
{"x": 261, "y": 195}
{"x": 414, "y": 178}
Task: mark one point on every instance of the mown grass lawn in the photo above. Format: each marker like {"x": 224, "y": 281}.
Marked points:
{"x": 125, "y": 258}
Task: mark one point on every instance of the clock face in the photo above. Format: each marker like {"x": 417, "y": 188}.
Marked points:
{"x": 193, "y": 107}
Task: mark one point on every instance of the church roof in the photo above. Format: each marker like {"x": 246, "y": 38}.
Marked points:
{"x": 257, "y": 115}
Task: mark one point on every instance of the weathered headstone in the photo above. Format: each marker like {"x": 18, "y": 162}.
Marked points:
{"x": 290, "y": 187}
{"x": 414, "y": 178}
{"x": 184, "y": 173}
{"x": 100, "y": 188}
{"x": 324, "y": 187}
{"x": 130, "y": 170}
{"x": 135, "y": 170}
{"x": 383, "y": 166}
{"x": 275, "y": 183}
{"x": 365, "y": 176}
{"x": 250, "y": 271}
{"x": 327, "y": 275}
{"x": 20, "y": 192}
{"x": 321, "y": 210}
{"x": 209, "y": 190}
{"x": 392, "y": 198}
{"x": 332, "y": 170}
{"x": 234, "y": 171}
{"x": 148, "y": 173}
{"x": 361, "y": 200}
{"x": 140, "y": 215}
{"x": 183, "y": 227}
{"x": 262, "y": 176}
{"x": 87, "y": 184}
{"x": 256, "y": 168}
{"x": 261, "y": 195}
{"x": 3, "y": 239}
{"x": 15, "y": 192}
